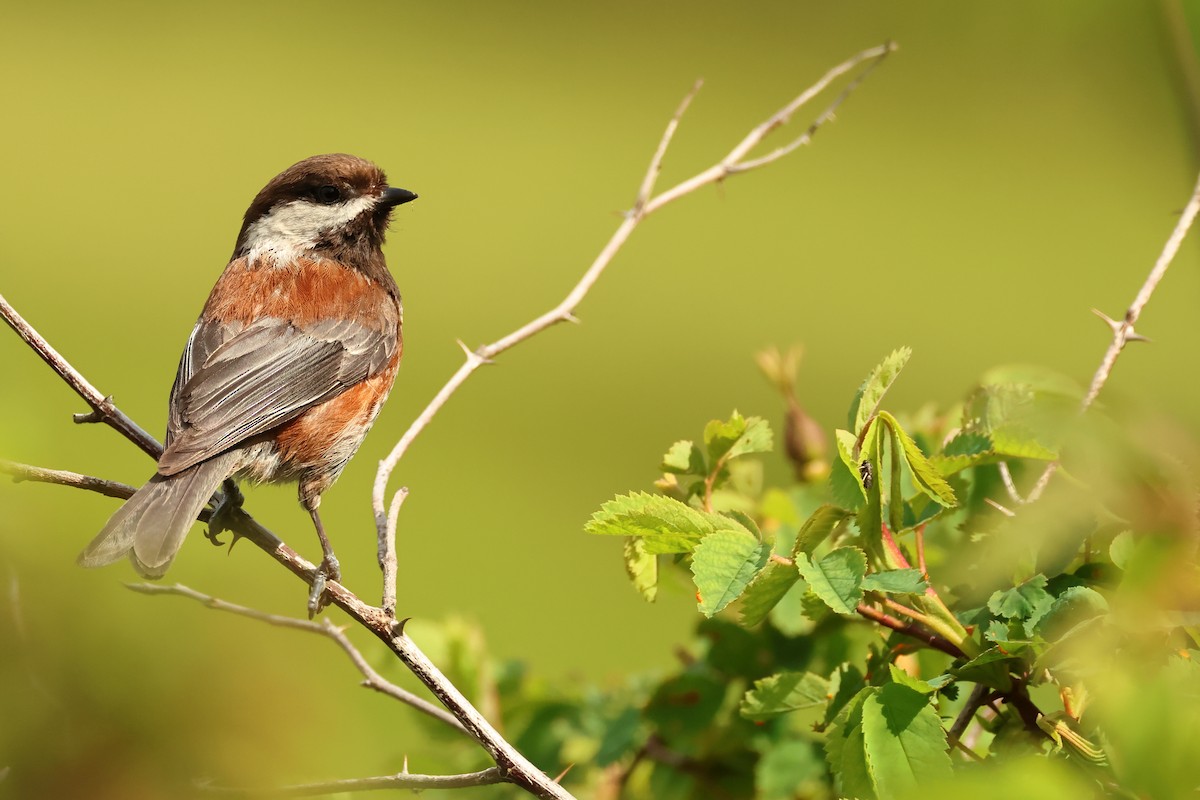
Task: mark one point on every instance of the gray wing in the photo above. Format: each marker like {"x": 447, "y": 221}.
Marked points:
{"x": 236, "y": 382}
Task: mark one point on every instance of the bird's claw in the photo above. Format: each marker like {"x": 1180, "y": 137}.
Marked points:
{"x": 223, "y": 514}
{"x": 329, "y": 570}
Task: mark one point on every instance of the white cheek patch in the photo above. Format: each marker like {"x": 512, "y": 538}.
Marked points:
{"x": 289, "y": 230}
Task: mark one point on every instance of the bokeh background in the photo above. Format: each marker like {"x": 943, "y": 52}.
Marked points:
{"x": 1012, "y": 166}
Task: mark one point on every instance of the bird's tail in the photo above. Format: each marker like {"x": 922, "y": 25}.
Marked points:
{"x": 152, "y": 524}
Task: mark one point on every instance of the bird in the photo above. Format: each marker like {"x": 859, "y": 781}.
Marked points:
{"x": 287, "y": 367}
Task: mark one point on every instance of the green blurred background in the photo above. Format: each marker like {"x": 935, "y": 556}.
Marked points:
{"x": 1012, "y": 166}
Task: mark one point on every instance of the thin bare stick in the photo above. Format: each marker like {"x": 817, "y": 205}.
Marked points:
{"x": 387, "y": 552}
{"x": 103, "y": 409}
{"x": 1123, "y": 330}
{"x": 61, "y": 477}
{"x": 401, "y": 780}
{"x": 371, "y": 679}
{"x": 734, "y": 163}
{"x": 1010, "y": 485}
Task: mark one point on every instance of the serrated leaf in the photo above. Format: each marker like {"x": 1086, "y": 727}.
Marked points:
{"x": 766, "y": 589}
{"x": 738, "y": 437}
{"x": 723, "y": 565}
{"x": 904, "y": 740}
{"x": 925, "y": 476}
{"x": 871, "y": 392}
{"x": 904, "y": 679}
{"x": 896, "y": 581}
{"x": 1021, "y": 601}
{"x": 779, "y": 694}
{"x": 818, "y": 528}
{"x": 836, "y": 578}
{"x": 667, "y": 525}
{"x": 641, "y": 567}
{"x": 845, "y": 750}
{"x": 684, "y": 458}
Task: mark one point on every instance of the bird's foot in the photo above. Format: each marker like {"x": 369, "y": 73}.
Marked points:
{"x": 223, "y": 514}
{"x": 329, "y": 570}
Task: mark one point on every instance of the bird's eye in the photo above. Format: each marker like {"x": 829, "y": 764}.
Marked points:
{"x": 327, "y": 194}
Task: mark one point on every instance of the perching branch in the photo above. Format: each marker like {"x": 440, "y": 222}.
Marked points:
{"x": 1123, "y": 330}
{"x": 645, "y": 204}
{"x": 371, "y": 678}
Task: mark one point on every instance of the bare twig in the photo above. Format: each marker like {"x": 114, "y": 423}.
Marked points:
{"x": 401, "y": 780}
{"x": 1123, "y": 330}
{"x": 387, "y": 552}
{"x": 1010, "y": 485}
{"x": 61, "y": 477}
{"x": 103, "y": 409}
{"x": 734, "y": 163}
{"x": 371, "y": 678}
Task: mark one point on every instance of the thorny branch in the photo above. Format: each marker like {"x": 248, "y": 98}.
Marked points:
{"x": 1123, "y": 330}
{"x": 511, "y": 766}
{"x": 645, "y": 204}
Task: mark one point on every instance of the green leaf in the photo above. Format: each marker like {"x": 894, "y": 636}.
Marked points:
{"x": 766, "y": 590}
{"x": 1076, "y": 604}
{"x": 904, "y": 679}
{"x": 667, "y": 525}
{"x": 737, "y": 437}
{"x": 845, "y": 750}
{"x": 1021, "y": 601}
{"x": 818, "y": 528}
{"x": 723, "y": 565}
{"x": 925, "y": 476}
{"x": 642, "y": 568}
{"x": 1018, "y": 422}
{"x": 684, "y": 458}
{"x": 620, "y": 735}
{"x": 896, "y": 581}
{"x": 904, "y": 740}
{"x": 870, "y": 394}
{"x": 836, "y": 578}
{"x": 845, "y": 482}
{"x": 779, "y": 694}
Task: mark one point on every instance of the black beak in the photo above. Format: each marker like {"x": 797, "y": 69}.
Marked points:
{"x": 395, "y": 197}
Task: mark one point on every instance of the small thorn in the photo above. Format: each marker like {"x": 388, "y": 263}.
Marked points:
{"x": 404, "y": 769}
{"x": 473, "y": 355}
{"x": 398, "y": 626}
{"x": 569, "y": 317}
{"x": 563, "y": 774}
{"x": 1109, "y": 321}
{"x": 1134, "y": 336}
